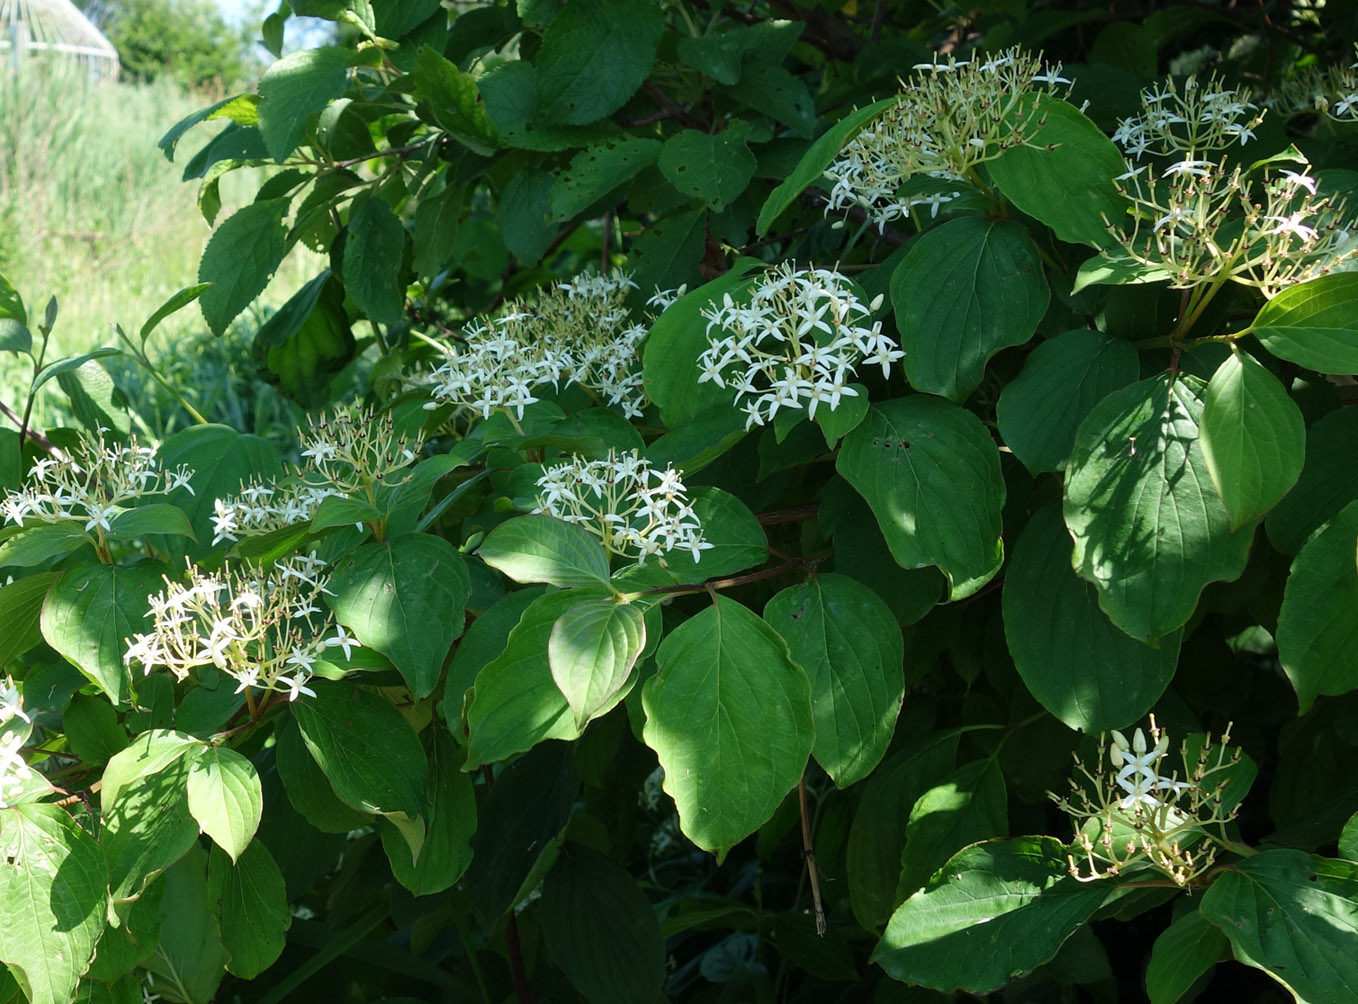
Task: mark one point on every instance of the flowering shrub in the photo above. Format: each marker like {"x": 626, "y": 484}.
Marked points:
{"x": 739, "y": 477}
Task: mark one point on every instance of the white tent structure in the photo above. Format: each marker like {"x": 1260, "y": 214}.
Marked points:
{"x": 53, "y": 28}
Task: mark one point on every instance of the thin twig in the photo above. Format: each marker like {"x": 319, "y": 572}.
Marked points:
{"x": 809, "y": 852}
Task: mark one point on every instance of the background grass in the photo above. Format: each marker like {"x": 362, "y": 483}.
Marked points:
{"x": 92, "y": 213}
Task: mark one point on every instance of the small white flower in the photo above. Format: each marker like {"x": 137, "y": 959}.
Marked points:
{"x": 342, "y": 640}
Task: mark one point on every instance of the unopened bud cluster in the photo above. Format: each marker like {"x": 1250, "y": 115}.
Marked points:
{"x": 579, "y": 332}
{"x": 796, "y": 343}
{"x": 955, "y": 115}
{"x": 1135, "y": 815}
{"x": 265, "y": 629}
{"x": 345, "y": 453}
{"x": 634, "y": 509}
{"x": 92, "y": 484}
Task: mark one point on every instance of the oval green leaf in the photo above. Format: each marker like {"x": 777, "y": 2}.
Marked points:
{"x": 545, "y": 549}
{"x": 1314, "y": 324}
{"x": 225, "y": 798}
{"x": 591, "y": 650}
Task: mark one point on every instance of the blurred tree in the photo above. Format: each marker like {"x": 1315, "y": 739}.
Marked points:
{"x": 186, "y": 40}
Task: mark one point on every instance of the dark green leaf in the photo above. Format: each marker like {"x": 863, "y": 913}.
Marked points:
{"x": 773, "y": 91}
{"x": 1253, "y": 438}
{"x": 713, "y": 167}
{"x": 931, "y": 474}
{"x": 150, "y": 517}
{"x": 965, "y": 290}
{"x": 511, "y": 95}
{"x": 1183, "y": 952}
{"x": 594, "y": 56}
{"x": 966, "y": 806}
{"x": 367, "y": 748}
{"x": 997, "y": 910}
{"x": 405, "y": 598}
{"x": 1291, "y": 914}
{"x": 252, "y": 908}
{"x": 189, "y": 957}
{"x": 845, "y": 637}
{"x": 11, "y": 303}
{"x": 1061, "y": 381}
{"x": 1062, "y": 173}
{"x": 306, "y": 342}
{"x": 173, "y": 305}
{"x": 1073, "y": 659}
{"x": 1314, "y": 324}
{"x": 295, "y": 88}
{"x": 372, "y": 261}
{"x": 1150, "y": 530}
{"x": 21, "y": 612}
{"x": 41, "y": 541}
{"x": 729, "y": 715}
{"x": 668, "y": 252}
{"x": 525, "y": 215}
{"x": 1317, "y": 632}
{"x": 545, "y": 549}
{"x": 240, "y": 259}
{"x": 601, "y": 930}
{"x": 95, "y": 401}
{"x": 54, "y": 884}
{"x": 309, "y": 790}
{"x": 92, "y": 729}
{"x": 1328, "y": 482}
{"x": 451, "y": 817}
{"x": 455, "y": 102}
{"x": 14, "y": 337}
{"x": 597, "y": 170}
{"x": 437, "y": 220}
{"x": 89, "y": 615}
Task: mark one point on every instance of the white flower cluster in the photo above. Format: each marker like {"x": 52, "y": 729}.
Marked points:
{"x": 14, "y": 769}
{"x": 1198, "y": 221}
{"x": 1188, "y": 121}
{"x": 1138, "y": 814}
{"x": 580, "y": 332}
{"x": 345, "y": 453}
{"x": 956, "y": 115}
{"x": 797, "y": 343}
{"x": 635, "y": 510}
{"x": 263, "y": 629}
{"x": 94, "y": 483}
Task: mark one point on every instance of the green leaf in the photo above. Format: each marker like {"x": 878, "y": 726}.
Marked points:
{"x": 147, "y": 830}
{"x": 219, "y": 459}
{"x": 54, "y": 884}
{"x": 56, "y": 369}
{"x": 41, "y": 542}
{"x": 150, "y": 753}
{"x": 594, "y": 56}
{"x": 738, "y": 540}
{"x": 150, "y": 517}
{"x": 1062, "y": 174}
{"x": 406, "y": 599}
{"x": 510, "y": 92}
{"x": 525, "y": 215}
{"x": 226, "y": 798}
{"x": 1317, "y": 632}
{"x": 372, "y": 261}
{"x": 96, "y": 401}
{"x": 1328, "y": 482}
{"x": 240, "y": 259}
{"x": 14, "y": 337}
{"x": 1291, "y": 914}
{"x": 239, "y": 108}
{"x": 21, "y": 612}
{"x": 771, "y": 90}
{"x": 1348, "y": 839}
{"x": 189, "y": 958}
{"x": 483, "y": 642}
{"x": 729, "y": 715}
{"x": 252, "y": 908}
{"x": 669, "y": 250}
{"x": 173, "y": 305}
{"x": 931, "y": 474}
{"x": 341, "y": 510}
{"x": 122, "y": 949}
{"x": 1114, "y": 267}
{"x": 1072, "y": 658}
{"x": 965, "y": 290}
{"x": 451, "y": 817}
{"x": 521, "y": 818}
{"x": 601, "y": 930}
{"x": 678, "y": 337}
{"x": 1313, "y": 324}
{"x": 92, "y": 729}
{"x": 592, "y": 649}
{"x": 597, "y": 170}
{"x": 437, "y": 220}
{"x": 713, "y": 167}
{"x": 11, "y": 303}
{"x": 455, "y": 102}
{"x": 966, "y": 806}
{"x": 845, "y": 637}
{"x": 367, "y": 748}
{"x": 1061, "y": 381}
{"x": 1183, "y": 952}
{"x": 1253, "y": 438}
{"x": 997, "y": 910}
{"x": 309, "y": 790}
{"x": 545, "y": 549}
{"x": 516, "y": 704}
{"x": 1150, "y": 530}
{"x": 295, "y": 88}
{"x": 91, "y": 612}
{"x": 303, "y": 344}
{"x": 821, "y": 154}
